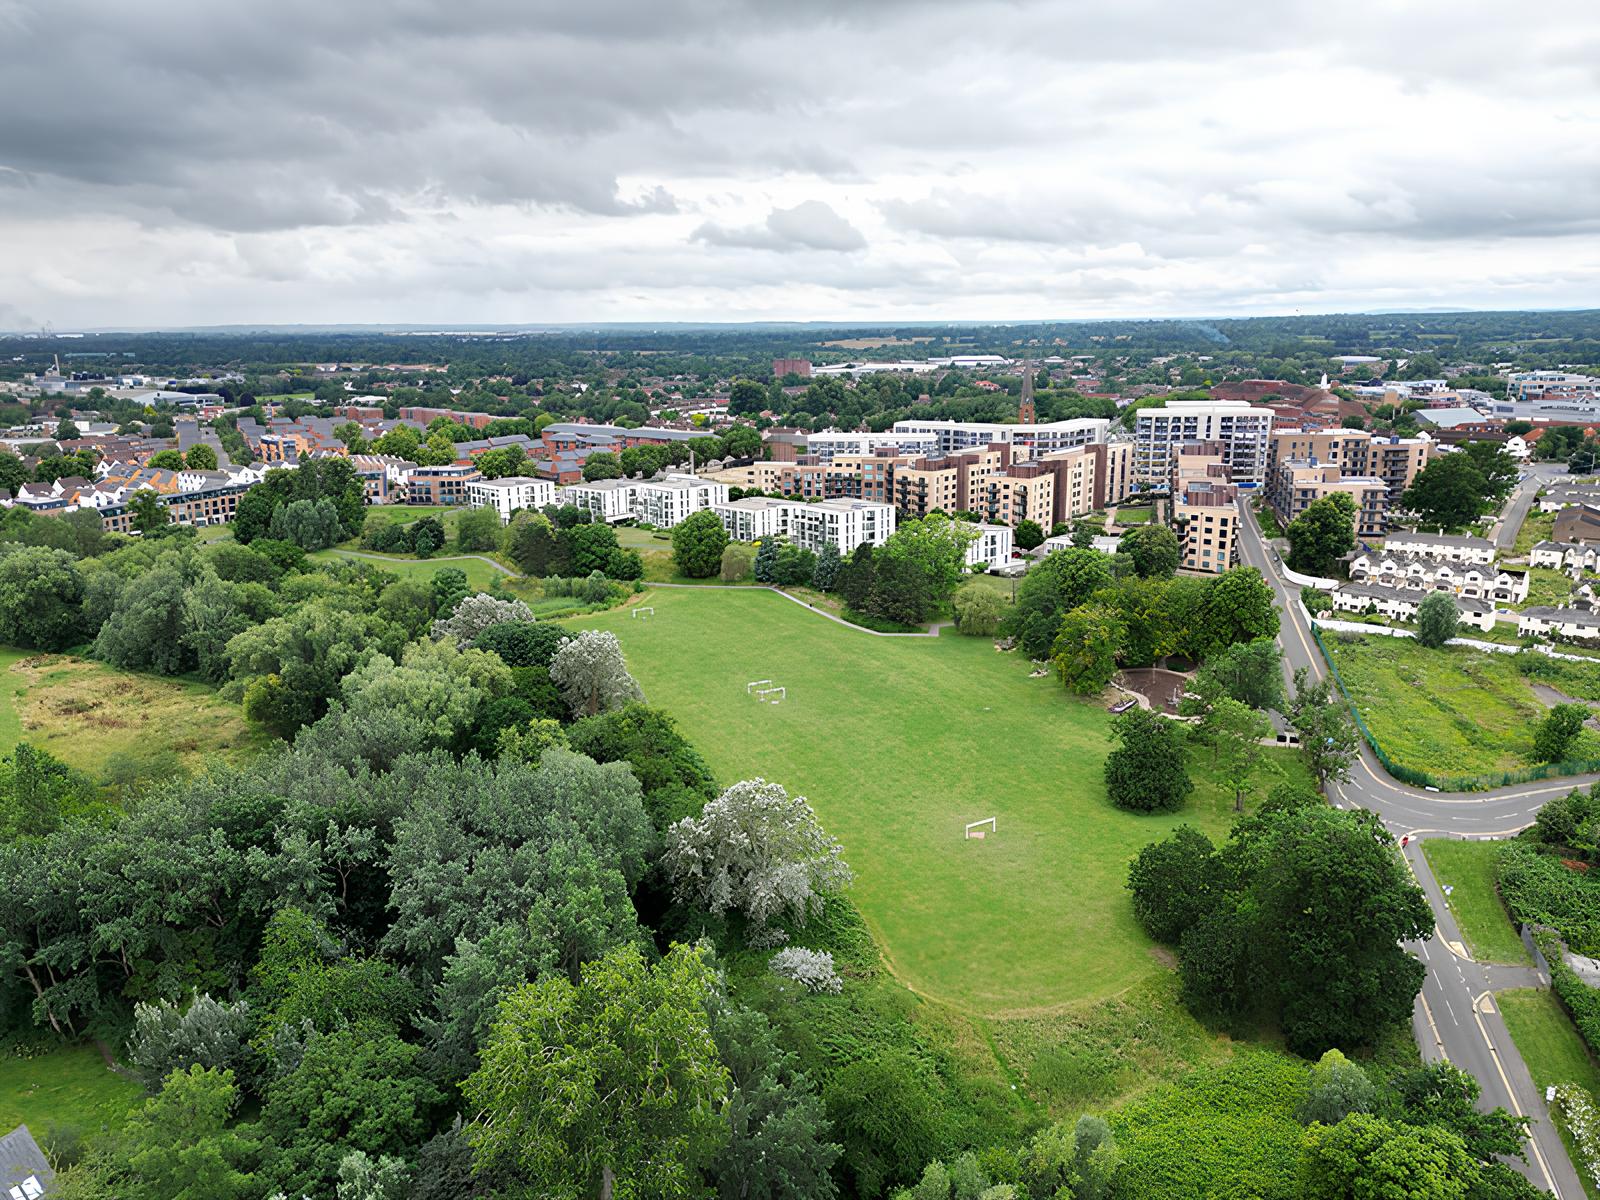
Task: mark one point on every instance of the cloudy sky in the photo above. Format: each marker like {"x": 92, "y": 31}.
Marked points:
{"x": 231, "y": 161}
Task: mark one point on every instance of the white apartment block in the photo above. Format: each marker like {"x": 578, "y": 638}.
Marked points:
{"x": 608, "y": 500}
{"x": 844, "y": 523}
{"x": 955, "y": 436}
{"x": 992, "y": 548}
{"x": 507, "y": 495}
{"x": 1448, "y": 547}
{"x": 827, "y": 446}
{"x": 1564, "y": 556}
{"x": 1399, "y": 604}
{"x": 1575, "y": 623}
{"x": 667, "y": 502}
{"x": 1243, "y": 429}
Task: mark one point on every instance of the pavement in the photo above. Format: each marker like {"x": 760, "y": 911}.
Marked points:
{"x": 1456, "y": 1017}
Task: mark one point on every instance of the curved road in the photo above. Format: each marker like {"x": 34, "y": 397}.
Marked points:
{"x": 1455, "y": 1017}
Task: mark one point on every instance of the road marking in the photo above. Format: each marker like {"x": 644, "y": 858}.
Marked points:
{"x": 1533, "y": 1143}
{"x": 1437, "y": 1040}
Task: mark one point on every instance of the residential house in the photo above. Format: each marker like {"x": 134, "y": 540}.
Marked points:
{"x": 509, "y": 494}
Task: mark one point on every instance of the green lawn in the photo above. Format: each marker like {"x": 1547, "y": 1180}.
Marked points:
{"x": 1454, "y": 711}
{"x": 1468, "y": 868}
{"x": 86, "y": 713}
{"x": 1129, "y": 514}
{"x": 479, "y": 573}
{"x": 898, "y": 743}
{"x": 1551, "y": 1047}
{"x": 1548, "y": 587}
{"x": 69, "y": 1087}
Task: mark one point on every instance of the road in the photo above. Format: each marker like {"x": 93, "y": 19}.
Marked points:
{"x": 1516, "y": 511}
{"x": 1455, "y": 1017}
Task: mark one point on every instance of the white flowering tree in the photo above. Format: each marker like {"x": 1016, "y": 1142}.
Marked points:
{"x": 758, "y": 850}
{"x": 476, "y": 613}
{"x": 591, "y": 674}
{"x": 811, "y": 969}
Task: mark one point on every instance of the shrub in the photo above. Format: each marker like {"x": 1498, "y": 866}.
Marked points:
{"x": 812, "y": 969}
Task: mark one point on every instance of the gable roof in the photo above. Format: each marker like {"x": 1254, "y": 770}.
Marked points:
{"x": 22, "y": 1160}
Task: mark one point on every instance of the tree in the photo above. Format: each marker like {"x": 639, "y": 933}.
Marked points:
{"x": 449, "y": 588}
{"x": 1554, "y": 737}
{"x": 148, "y": 626}
{"x": 1087, "y": 648}
{"x": 165, "y": 460}
{"x": 584, "y": 549}
{"x": 200, "y": 457}
{"x": 179, "y": 1146}
{"x": 746, "y": 398}
{"x": 741, "y": 441}
{"x": 886, "y": 1116}
{"x": 979, "y": 610}
{"x": 530, "y": 543}
{"x": 1238, "y": 608}
{"x": 1498, "y": 469}
{"x": 935, "y": 547}
{"x": 1084, "y": 533}
{"x": 826, "y": 573}
{"x": 1324, "y": 533}
{"x": 168, "y": 1037}
{"x": 1237, "y": 731}
{"x": 477, "y": 613}
{"x": 1028, "y": 535}
{"x": 591, "y": 674}
{"x": 760, "y": 851}
{"x": 697, "y": 544}
{"x": 1062, "y": 581}
{"x": 41, "y": 591}
{"x": 1251, "y": 672}
{"x": 1154, "y": 550}
{"x": 438, "y": 690}
{"x": 602, "y": 464}
{"x": 737, "y": 560}
{"x": 523, "y": 643}
{"x": 67, "y": 431}
{"x": 615, "y": 1078}
{"x": 1450, "y": 492}
{"x": 500, "y": 463}
{"x": 900, "y": 591}
{"x": 1071, "y": 1162}
{"x": 1338, "y": 1088}
{"x": 478, "y": 529}
{"x": 766, "y": 560}
{"x": 857, "y": 574}
{"x": 795, "y": 566}
{"x": 149, "y": 514}
{"x": 1436, "y": 619}
{"x": 1145, "y": 771}
{"x": 1327, "y": 734}
{"x": 1367, "y": 1157}
{"x": 1175, "y": 883}
{"x": 776, "y": 1128}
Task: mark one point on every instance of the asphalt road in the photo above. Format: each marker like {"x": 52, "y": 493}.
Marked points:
{"x": 1455, "y": 1017}
{"x": 1516, "y": 511}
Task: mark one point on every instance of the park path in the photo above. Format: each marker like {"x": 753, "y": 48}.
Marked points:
{"x": 931, "y": 632}
{"x": 443, "y": 558}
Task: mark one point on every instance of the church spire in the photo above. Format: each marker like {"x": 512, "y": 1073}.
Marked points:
{"x": 1026, "y": 413}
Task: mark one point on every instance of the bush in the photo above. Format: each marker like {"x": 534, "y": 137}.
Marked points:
{"x": 1145, "y": 773}
{"x": 1539, "y": 890}
{"x": 812, "y": 969}
{"x": 979, "y": 610}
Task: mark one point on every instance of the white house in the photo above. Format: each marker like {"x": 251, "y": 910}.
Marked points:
{"x": 606, "y": 499}
{"x": 1500, "y": 584}
{"x": 1401, "y": 604}
{"x": 1448, "y": 546}
{"x": 843, "y": 523}
{"x": 1563, "y": 622}
{"x": 992, "y": 547}
{"x": 1564, "y": 556}
{"x": 666, "y": 502}
{"x": 755, "y": 518}
{"x": 507, "y": 495}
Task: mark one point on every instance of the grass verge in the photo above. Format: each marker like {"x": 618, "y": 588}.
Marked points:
{"x": 1554, "y": 1054}
{"x": 66, "y": 1088}
{"x": 1468, "y": 869}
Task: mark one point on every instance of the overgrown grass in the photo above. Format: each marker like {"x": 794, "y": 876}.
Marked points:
{"x": 1554, "y": 1054}
{"x": 1468, "y": 869}
{"x": 89, "y": 714}
{"x": 1454, "y": 711}
{"x": 898, "y": 743}
{"x": 1538, "y": 527}
{"x": 1548, "y": 588}
{"x": 70, "y": 1088}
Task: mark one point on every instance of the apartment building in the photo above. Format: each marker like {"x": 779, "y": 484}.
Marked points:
{"x": 1295, "y": 484}
{"x": 1575, "y": 623}
{"x": 1113, "y": 472}
{"x": 507, "y": 495}
{"x": 992, "y": 548}
{"x": 666, "y": 502}
{"x": 842, "y": 523}
{"x": 1401, "y": 604}
{"x": 1077, "y": 480}
{"x": 1039, "y": 438}
{"x": 609, "y": 500}
{"x": 1243, "y": 431}
{"x": 1503, "y": 585}
{"x": 1450, "y": 547}
{"x": 1356, "y": 452}
{"x": 828, "y": 446}
{"x": 1205, "y": 509}
{"x": 445, "y": 484}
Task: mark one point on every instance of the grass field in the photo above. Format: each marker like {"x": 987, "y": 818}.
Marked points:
{"x": 1552, "y": 1050}
{"x": 70, "y": 1087}
{"x": 479, "y": 573}
{"x": 1538, "y": 527}
{"x": 1468, "y": 868}
{"x": 898, "y": 743}
{"x": 1452, "y": 711}
{"x": 86, "y": 712}
{"x": 1547, "y": 586}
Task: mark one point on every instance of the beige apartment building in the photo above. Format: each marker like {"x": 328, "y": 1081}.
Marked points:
{"x": 1294, "y": 485}
{"x": 1394, "y": 460}
{"x": 1205, "y": 509}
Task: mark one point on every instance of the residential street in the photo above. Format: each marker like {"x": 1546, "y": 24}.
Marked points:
{"x": 1456, "y": 1017}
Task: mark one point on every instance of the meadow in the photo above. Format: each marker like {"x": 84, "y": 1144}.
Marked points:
{"x": 898, "y": 742}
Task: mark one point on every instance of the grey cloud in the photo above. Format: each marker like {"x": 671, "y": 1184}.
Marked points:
{"x": 809, "y": 225}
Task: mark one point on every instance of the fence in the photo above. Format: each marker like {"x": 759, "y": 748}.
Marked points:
{"x": 1444, "y": 783}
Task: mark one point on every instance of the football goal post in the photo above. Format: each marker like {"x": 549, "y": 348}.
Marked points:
{"x": 754, "y": 684}
{"x": 975, "y": 829}
{"x": 647, "y": 611}
{"x": 772, "y": 694}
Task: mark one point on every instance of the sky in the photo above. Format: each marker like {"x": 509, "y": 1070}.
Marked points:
{"x": 190, "y": 162}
